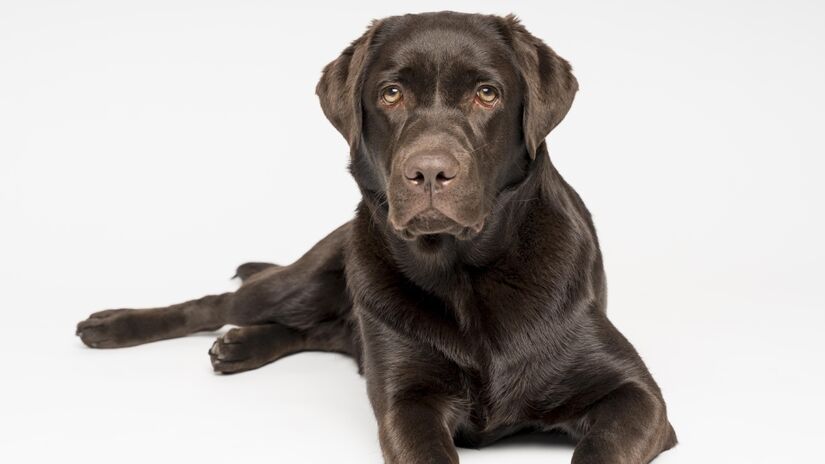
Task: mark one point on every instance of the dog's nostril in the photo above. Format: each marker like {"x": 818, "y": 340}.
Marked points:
{"x": 417, "y": 178}
{"x": 442, "y": 177}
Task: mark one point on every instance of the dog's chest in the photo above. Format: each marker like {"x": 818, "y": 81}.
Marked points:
{"x": 499, "y": 398}
{"x": 520, "y": 362}
{"x": 508, "y": 375}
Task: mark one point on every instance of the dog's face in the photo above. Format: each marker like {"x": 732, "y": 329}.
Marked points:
{"x": 444, "y": 111}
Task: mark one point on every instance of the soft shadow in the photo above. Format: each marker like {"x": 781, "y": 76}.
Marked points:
{"x": 535, "y": 440}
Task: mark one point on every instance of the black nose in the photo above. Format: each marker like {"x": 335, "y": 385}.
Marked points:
{"x": 430, "y": 170}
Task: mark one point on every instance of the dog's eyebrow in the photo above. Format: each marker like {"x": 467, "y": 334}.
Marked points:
{"x": 390, "y": 75}
{"x": 482, "y": 75}
{"x": 488, "y": 77}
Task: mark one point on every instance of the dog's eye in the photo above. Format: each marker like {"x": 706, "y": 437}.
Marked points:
{"x": 391, "y": 95}
{"x": 487, "y": 95}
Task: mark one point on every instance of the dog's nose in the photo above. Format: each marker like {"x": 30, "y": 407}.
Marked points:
{"x": 430, "y": 171}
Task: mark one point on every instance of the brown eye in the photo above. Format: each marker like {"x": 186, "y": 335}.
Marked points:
{"x": 391, "y": 95}
{"x": 487, "y": 95}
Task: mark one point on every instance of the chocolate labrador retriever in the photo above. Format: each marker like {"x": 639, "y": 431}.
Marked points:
{"x": 469, "y": 286}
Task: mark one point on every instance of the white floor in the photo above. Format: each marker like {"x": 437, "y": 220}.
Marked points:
{"x": 734, "y": 396}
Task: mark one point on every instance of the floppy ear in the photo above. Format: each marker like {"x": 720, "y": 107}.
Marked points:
{"x": 550, "y": 84}
{"x": 340, "y": 87}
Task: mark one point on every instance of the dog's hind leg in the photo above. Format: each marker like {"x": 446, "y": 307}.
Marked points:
{"x": 246, "y": 348}
{"x": 308, "y": 297}
{"x": 286, "y": 309}
{"x": 116, "y": 328}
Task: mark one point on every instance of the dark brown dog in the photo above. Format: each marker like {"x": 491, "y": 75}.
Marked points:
{"x": 469, "y": 286}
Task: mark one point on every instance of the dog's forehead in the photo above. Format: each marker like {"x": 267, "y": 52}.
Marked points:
{"x": 442, "y": 48}
{"x": 444, "y": 45}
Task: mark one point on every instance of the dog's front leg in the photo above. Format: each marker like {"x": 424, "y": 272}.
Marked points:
{"x": 416, "y": 432}
{"x": 628, "y": 426}
{"x": 418, "y": 396}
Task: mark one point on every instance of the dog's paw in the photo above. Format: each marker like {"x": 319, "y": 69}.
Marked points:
{"x": 241, "y": 349}
{"x": 112, "y": 328}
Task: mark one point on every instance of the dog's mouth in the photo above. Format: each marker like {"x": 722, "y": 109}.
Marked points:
{"x": 431, "y": 223}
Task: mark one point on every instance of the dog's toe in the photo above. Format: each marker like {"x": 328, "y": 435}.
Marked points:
{"x": 105, "y": 329}
{"x": 93, "y": 332}
{"x": 235, "y": 352}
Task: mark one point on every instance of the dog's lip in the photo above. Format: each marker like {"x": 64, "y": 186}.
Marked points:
{"x": 434, "y": 222}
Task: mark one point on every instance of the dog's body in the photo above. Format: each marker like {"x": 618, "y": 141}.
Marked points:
{"x": 469, "y": 286}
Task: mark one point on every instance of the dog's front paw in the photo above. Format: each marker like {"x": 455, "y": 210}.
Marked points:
{"x": 113, "y": 328}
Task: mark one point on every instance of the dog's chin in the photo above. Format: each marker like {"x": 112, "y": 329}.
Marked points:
{"x": 431, "y": 226}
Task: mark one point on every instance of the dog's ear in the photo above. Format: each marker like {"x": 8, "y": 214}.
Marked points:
{"x": 549, "y": 81}
{"x": 340, "y": 87}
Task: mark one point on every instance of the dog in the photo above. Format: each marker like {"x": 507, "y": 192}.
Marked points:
{"x": 469, "y": 287}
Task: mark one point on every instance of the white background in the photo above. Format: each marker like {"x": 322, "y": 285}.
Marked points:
{"x": 147, "y": 148}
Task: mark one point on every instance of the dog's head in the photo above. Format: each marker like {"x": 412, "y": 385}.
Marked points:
{"x": 443, "y": 111}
